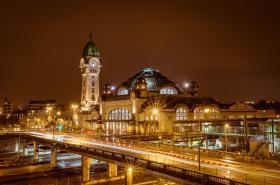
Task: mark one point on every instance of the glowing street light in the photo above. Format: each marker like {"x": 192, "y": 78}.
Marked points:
{"x": 129, "y": 176}
{"x": 186, "y": 85}
{"x": 75, "y": 115}
{"x": 205, "y": 110}
{"x": 74, "y": 106}
{"x": 48, "y": 110}
{"x": 226, "y": 126}
{"x": 113, "y": 88}
{"x": 130, "y": 169}
{"x": 155, "y": 111}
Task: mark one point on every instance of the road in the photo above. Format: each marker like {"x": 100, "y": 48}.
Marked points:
{"x": 241, "y": 171}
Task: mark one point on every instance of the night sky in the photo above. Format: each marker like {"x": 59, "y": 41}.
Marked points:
{"x": 231, "y": 48}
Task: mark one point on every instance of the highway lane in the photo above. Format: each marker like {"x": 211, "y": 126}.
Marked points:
{"x": 245, "y": 172}
{"x": 253, "y": 174}
{"x": 231, "y": 171}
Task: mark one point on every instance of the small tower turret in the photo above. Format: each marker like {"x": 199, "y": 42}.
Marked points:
{"x": 141, "y": 84}
{"x": 107, "y": 90}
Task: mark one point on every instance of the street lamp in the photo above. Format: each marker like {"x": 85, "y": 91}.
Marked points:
{"x": 205, "y": 110}
{"x": 58, "y": 119}
{"x": 75, "y": 116}
{"x": 58, "y": 113}
{"x": 113, "y": 88}
{"x": 129, "y": 175}
{"x": 51, "y": 122}
{"x": 186, "y": 85}
{"x": 49, "y": 109}
{"x": 155, "y": 111}
{"x": 226, "y": 126}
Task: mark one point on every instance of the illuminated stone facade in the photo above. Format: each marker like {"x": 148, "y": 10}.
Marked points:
{"x": 6, "y": 107}
{"x": 150, "y": 103}
{"x": 90, "y": 69}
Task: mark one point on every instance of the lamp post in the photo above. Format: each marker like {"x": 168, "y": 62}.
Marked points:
{"x": 75, "y": 116}
{"x": 58, "y": 114}
{"x": 205, "y": 110}
{"x": 49, "y": 109}
{"x": 199, "y": 123}
{"x": 155, "y": 112}
{"x": 129, "y": 176}
{"x": 226, "y": 141}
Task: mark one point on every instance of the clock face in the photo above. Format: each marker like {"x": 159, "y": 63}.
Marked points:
{"x": 93, "y": 63}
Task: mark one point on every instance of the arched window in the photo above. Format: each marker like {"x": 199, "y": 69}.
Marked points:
{"x": 206, "y": 112}
{"x": 151, "y": 83}
{"x": 122, "y": 91}
{"x": 214, "y": 113}
{"x": 181, "y": 113}
{"x": 198, "y": 113}
{"x": 168, "y": 90}
{"x": 120, "y": 114}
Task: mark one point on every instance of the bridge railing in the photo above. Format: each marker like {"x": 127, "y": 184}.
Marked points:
{"x": 157, "y": 165}
{"x": 194, "y": 175}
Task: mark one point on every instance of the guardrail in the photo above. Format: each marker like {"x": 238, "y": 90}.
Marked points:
{"x": 124, "y": 156}
{"x": 193, "y": 175}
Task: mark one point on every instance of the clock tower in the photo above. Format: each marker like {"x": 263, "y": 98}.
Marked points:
{"x": 90, "y": 69}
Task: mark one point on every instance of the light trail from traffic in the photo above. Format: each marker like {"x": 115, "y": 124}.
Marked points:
{"x": 224, "y": 167}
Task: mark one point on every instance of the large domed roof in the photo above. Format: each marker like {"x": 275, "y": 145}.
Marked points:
{"x": 154, "y": 79}
{"x": 90, "y": 50}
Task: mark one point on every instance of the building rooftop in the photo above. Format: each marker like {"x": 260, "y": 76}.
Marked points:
{"x": 171, "y": 102}
{"x": 154, "y": 79}
{"x": 90, "y": 50}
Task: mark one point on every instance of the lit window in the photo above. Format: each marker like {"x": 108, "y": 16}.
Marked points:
{"x": 214, "y": 113}
{"x": 198, "y": 113}
{"x": 168, "y": 90}
{"x": 151, "y": 83}
{"x": 201, "y": 113}
{"x": 181, "y": 113}
{"x": 122, "y": 91}
{"x": 119, "y": 114}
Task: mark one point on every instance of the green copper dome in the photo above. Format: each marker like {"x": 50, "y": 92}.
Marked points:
{"x": 90, "y": 49}
{"x": 154, "y": 79}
